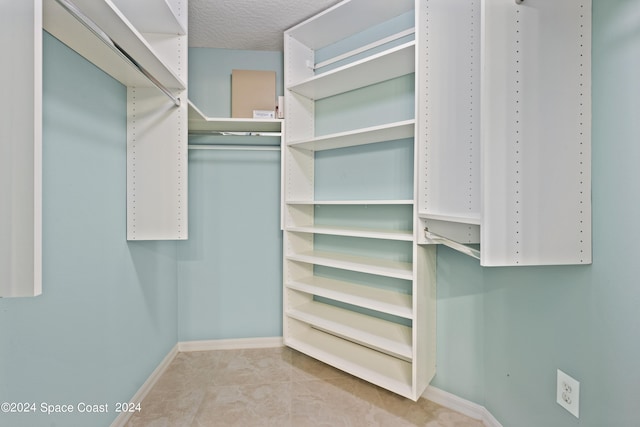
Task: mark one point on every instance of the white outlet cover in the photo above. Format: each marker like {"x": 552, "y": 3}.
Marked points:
{"x": 568, "y": 393}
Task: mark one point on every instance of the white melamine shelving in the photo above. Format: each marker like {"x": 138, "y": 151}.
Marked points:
{"x": 372, "y": 298}
{"x": 370, "y": 135}
{"x": 341, "y": 305}
{"x": 386, "y": 371}
{"x": 21, "y": 150}
{"x": 362, "y": 264}
{"x": 143, "y": 45}
{"x": 395, "y": 62}
{"x": 163, "y": 19}
{"x": 505, "y": 158}
{"x": 369, "y": 233}
{"x": 349, "y": 202}
{"x": 385, "y": 336}
{"x": 116, "y": 25}
{"x": 198, "y": 121}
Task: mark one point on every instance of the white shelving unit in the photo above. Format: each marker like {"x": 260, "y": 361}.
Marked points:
{"x": 199, "y": 122}
{"x": 370, "y": 327}
{"x": 21, "y": 150}
{"x": 505, "y": 158}
{"x": 153, "y": 34}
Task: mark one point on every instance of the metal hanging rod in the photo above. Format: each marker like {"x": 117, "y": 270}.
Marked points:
{"x": 451, "y": 244}
{"x": 104, "y": 37}
{"x": 225, "y": 133}
{"x": 234, "y": 147}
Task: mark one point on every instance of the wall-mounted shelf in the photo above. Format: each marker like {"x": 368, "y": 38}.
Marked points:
{"x": 163, "y": 19}
{"x": 143, "y": 45}
{"x": 370, "y": 135}
{"x": 394, "y": 62}
{"x": 58, "y": 22}
{"x": 505, "y": 158}
{"x": 198, "y": 121}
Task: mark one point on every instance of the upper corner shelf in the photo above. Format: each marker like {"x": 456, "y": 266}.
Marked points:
{"x": 394, "y": 62}
{"x": 340, "y": 19}
{"x": 115, "y": 25}
{"x": 199, "y": 122}
{"x": 162, "y": 20}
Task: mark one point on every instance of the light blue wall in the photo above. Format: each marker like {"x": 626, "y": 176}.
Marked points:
{"x": 521, "y": 324}
{"x": 107, "y": 315}
{"x": 210, "y": 75}
{"x": 230, "y": 269}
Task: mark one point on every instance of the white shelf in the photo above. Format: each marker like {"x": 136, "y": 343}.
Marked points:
{"x": 110, "y": 20}
{"x": 377, "y": 266}
{"x": 472, "y": 220}
{"x": 388, "y": 337}
{"x": 198, "y": 121}
{"x": 378, "y": 368}
{"x": 370, "y": 135}
{"x": 349, "y": 202}
{"x": 356, "y": 232}
{"x": 162, "y": 20}
{"x": 345, "y": 19}
{"x": 370, "y": 297}
{"x": 377, "y": 68}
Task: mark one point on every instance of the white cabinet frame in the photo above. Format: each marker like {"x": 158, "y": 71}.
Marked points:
{"x": 505, "y": 130}
{"x": 21, "y": 149}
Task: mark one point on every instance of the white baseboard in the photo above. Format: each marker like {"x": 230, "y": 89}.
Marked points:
{"x": 122, "y": 419}
{"x": 461, "y": 405}
{"x": 230, "y": 344}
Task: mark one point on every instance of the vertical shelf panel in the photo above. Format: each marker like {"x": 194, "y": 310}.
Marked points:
{"x": 21, "y": 149}
{"x": 156, "y": 166}
{"x": 536, "y": 133}
{"x": 157, "y": 145}
{"x": 449, "y": 109}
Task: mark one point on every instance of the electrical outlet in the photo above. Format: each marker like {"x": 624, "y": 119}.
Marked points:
{"x": 568, "y": 393}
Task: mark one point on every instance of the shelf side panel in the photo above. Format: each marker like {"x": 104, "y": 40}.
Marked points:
{"x": 424, "y": 321}
{"x": 21, "y": 150}
{"x": 536, "y": 133}
{"x": 156, "y": 166}
{"x": 449, "y": 109}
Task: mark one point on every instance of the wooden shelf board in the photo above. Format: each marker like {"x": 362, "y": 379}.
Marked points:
{"x": 370, "y": 135}
{"x": 377, "y": 266}
{"x": 382, "y": 300}
{"x": 394, "y": 62}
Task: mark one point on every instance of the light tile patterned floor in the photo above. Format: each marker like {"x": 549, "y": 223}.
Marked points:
{"x": 277, "y": 387}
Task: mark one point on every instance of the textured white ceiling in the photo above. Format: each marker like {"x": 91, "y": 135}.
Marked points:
{"x": 247, "y": 24}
